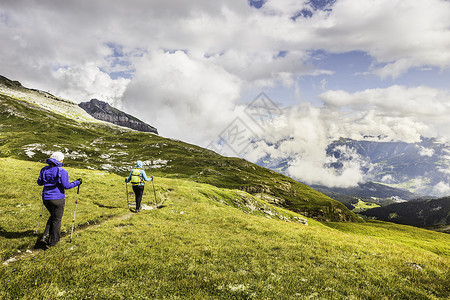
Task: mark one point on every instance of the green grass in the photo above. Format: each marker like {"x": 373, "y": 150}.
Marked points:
{"x": 206, "y": 243}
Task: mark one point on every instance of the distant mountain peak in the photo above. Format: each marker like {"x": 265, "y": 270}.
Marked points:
{"x": 105, "y": 112}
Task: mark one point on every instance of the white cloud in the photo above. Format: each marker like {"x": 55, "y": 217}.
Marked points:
{"x": 426, "y": 151}
{"x": 86, "y": 82}
{"x": 184, "y": 98}
{"x": 389, "y": 179}
{"x": 300, "y": 136}
{"x": 398, "y": 112}
{"x": 399, "y": 35}
{"x": 441, "y": 189}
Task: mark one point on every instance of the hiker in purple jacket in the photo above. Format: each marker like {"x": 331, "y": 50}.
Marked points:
{"x": 55, "y": 180}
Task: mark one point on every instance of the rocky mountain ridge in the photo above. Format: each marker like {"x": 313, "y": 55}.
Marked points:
{"x": 105, "y": 112}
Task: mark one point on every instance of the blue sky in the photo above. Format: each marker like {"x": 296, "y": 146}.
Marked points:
{"x": 344, "y": 68}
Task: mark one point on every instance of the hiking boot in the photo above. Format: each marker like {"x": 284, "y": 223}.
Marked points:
{"x": 45, "y": 239}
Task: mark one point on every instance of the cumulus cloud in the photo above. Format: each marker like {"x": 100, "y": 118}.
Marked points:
{"x": 398, "y": 35}
{"x": 398, "y": 112}
{"x": 441, "y": 189}
{"x": 300, "y": 137}
{"x": 426, "y": 151}
{"x": 184, "y": 98}
{"x": 303, "y": 132}
{"x": 83, "y": 83}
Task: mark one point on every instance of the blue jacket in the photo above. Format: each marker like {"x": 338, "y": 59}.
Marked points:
{"x": 143, "y": 175}
{"x": 55, "y": 180}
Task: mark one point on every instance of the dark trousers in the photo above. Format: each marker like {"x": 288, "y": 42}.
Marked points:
{"x": 53, "y": 228}
{"x": 138, "y": 192}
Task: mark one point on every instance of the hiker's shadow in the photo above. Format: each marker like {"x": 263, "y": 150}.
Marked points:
{"x": 16, "y": 235}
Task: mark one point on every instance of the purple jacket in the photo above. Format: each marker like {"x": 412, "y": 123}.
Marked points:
{"x": 55, "y": 180}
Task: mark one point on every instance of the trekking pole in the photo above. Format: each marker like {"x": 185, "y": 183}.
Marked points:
{"x": 154, "y": 192}
{"x": 73, "y": 222}
{"x": 128, "y": 203}
{"x": 39, "y": 221}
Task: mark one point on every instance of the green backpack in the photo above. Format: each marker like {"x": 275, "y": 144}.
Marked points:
{"x": 136, "y": 177}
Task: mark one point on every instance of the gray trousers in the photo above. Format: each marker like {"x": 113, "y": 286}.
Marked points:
{"x": 53, "y": 228}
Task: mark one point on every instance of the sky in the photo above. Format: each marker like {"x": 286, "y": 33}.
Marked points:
{"x": 200, "y": 70}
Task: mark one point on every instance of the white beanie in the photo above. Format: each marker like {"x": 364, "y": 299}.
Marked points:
{"x": 58, "y": 156}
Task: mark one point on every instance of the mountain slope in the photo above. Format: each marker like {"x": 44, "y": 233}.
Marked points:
{"x": 202, "y": 246}
{"x": 30, "y": 132}
{"x": 44, "y": 100}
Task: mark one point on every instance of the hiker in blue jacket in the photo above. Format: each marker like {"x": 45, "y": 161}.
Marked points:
{"x": 138, "y": 177}
{"x": 55, "y": 180}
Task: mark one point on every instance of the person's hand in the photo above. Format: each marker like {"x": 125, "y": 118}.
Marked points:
{"x": 80, "y": 180}
{"x": 126, "y": 179}
{"x": 151, "y": 178}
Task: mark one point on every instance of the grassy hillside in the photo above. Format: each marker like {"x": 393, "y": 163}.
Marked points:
{"x": 29, "y": 132}
{"x": 205, "y": 243}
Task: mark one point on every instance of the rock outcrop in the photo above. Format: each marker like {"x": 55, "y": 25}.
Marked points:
{"x": 105, "y": 112}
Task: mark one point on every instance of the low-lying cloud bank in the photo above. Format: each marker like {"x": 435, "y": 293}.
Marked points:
{"x": 299, "y": 136}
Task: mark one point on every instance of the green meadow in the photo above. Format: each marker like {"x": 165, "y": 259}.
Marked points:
{"x": 204, "y": 243}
